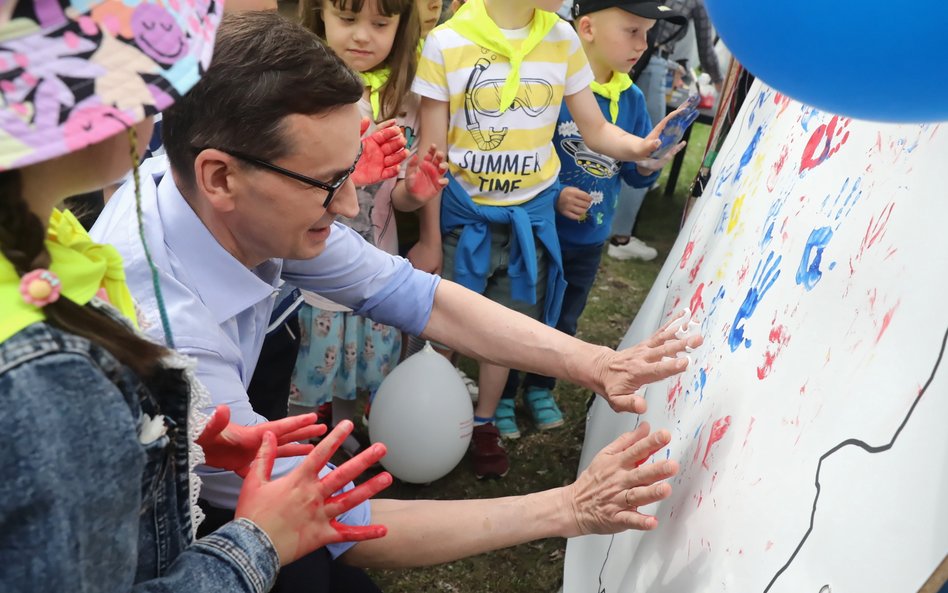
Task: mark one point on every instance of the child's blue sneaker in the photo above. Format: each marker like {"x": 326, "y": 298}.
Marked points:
{"x": 505, "y": 420}
{"x": 546, "y": 414}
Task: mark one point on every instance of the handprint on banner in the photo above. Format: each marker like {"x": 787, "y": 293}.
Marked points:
{"x": 764, "y": 277}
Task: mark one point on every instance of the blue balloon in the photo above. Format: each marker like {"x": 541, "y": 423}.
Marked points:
{"x": 867, "y": 59}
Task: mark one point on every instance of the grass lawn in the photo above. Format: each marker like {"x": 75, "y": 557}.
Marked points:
{"x": 545, "y": 460}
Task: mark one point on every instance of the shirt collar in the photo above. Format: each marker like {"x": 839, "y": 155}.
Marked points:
{"x": 222, "y": 283}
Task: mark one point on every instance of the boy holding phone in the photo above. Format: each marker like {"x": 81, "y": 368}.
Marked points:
{"x": 613, "y": 37}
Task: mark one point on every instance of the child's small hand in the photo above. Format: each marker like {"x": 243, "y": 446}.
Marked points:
{"x": 573, "y": 203}
{"x": 649, "y": 166}
{"x": 231, "y": 446}
{"x": 382, "y": 154}
{"x": 425, "y": 176}
{"x": 298, "y": 511}
{"x": 642, "y": 148}
{"x": 672, "y": 128}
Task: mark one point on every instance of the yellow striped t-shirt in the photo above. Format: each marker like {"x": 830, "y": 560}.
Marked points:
{"x": 502, "y": 158}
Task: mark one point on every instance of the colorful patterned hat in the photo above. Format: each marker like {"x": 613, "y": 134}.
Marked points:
{"x": 75, "y": 72}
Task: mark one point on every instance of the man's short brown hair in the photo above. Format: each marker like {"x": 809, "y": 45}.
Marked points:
{"x": 265, "y": 68}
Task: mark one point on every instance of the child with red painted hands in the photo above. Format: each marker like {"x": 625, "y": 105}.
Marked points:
{"x": 342, "y": 353}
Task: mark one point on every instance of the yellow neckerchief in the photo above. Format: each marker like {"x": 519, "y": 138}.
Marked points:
{"x": 375, "y": 80}
{"x": 619, "y": 82}
{"x": 473, "y": 22}
{"x": 83, "y": 267}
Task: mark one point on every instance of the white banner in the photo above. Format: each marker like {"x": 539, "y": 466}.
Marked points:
{"x": 811, "y": 426}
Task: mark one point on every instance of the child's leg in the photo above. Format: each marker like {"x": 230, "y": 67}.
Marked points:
{"x": 487, "y": 451}
{"x": 317, "y": 361}
{"x": 491, "y": 381}
{"x": 499, "y": 290}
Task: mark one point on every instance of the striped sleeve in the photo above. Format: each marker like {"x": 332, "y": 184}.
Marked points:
{"x": 578, "y": 74}
{"x": 431, "y": 80}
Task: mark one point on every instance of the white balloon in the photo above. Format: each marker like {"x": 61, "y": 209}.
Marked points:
{"x": 423, "y": 414}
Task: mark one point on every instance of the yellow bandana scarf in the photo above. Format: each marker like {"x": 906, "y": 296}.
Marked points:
{"x": 473, "y": 22}
{"x": 619, "y": 82}
{"x": 375, "y": 80}
{"x": 83, "y": 267}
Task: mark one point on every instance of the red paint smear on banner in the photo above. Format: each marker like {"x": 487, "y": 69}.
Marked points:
{"x": 690, "y": 247}
{"x": 673, "y": 394}
{"x": 778, "y": 166}
{"x": 718, "y": 430}
{"x": 886, "y": 320}
{"x": 783, "y": 101}
{"x": 694, "y": 271}
{"x": 742, "y": 273}
{"x": 876, "y": 229}
{"x": 822, "y": 140}
{"x": 750, "y": 425}
{"x": 696, "y": 300}
{"x": 778, "y": 339}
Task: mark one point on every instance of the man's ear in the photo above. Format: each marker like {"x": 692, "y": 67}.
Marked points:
{"x": 215, "y": 174}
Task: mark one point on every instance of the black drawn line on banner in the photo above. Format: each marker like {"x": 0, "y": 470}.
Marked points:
{"x": 864, "y": 446}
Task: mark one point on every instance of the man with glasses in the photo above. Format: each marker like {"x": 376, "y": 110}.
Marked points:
{"x": 260, "y": 153}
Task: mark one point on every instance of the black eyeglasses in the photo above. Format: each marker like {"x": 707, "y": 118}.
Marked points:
{"x": 329, "y": 188}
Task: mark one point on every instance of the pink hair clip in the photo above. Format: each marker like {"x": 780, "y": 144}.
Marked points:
{"x": 40, "y": 287}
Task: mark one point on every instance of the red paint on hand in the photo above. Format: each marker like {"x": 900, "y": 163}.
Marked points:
{"x": 233, "y": 447}
{"x": 383, "y": 152}
{"x": 426, "y": 176}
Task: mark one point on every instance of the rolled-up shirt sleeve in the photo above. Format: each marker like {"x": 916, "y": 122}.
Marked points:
{"x": 371, "y": 282}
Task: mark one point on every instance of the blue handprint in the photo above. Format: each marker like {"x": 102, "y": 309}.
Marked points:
{"x": 809, "y": 272}
{"x": 764, "y": 277}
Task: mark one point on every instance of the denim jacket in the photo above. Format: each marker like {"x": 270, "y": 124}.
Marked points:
{"x": 84, "y": 505}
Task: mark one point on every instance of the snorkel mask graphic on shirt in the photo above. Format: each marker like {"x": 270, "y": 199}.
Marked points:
{"x": 534, "y": 97}
{"x": 593, "y": 163}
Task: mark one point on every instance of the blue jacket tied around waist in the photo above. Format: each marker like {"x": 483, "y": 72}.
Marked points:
{"x": 472, "y": 258}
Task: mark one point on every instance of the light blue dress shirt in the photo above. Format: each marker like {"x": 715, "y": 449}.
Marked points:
{"x": 219, "y": 309}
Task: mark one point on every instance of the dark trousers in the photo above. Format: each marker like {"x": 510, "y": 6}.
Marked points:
{"x": 580, "y": 266}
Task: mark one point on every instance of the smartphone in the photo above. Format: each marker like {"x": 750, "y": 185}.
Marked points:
{"x": 676, "y": 126}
